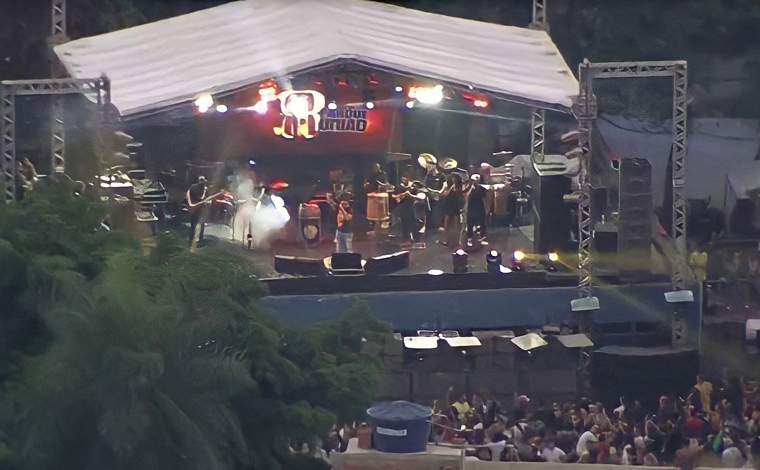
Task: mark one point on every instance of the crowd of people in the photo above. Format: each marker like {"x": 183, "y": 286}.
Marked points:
{"x": 713, "y": 426}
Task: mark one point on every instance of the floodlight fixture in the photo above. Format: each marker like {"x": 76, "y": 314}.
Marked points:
{"x": 679, "y": 296}
{"x": 584, "y": 304}
{"x": 529, "y": 342}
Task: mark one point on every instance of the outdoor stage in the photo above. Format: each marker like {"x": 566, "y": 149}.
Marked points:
{"x": 434, "y": 256}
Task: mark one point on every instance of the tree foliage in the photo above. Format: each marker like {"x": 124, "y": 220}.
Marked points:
{"x": 159, "y": 360}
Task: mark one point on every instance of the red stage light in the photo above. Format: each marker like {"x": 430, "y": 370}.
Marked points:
{"x": 373, "y": 80}
{"x": 279, "y": 185}
{"x": 342, "y": 82}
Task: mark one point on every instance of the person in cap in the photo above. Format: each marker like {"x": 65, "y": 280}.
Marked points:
{"x": 196, "y": 204}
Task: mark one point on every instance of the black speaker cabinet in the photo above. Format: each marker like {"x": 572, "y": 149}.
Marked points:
{"x": 553, "y": 215}
{"x": 388, "y": 264}
{"x": 635, "y": 245}
{"x": 346, "y": 261}
{"x": 297, "y": 266}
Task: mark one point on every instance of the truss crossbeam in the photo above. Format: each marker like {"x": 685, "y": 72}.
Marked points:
{"x": 57, "y": 87}
{"x": 538, "y": 121}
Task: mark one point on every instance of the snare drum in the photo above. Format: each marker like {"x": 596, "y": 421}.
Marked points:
{"x": 377, "y": 207}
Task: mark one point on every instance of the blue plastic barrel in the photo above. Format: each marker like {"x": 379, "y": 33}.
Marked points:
{"x": 400, "y": 427}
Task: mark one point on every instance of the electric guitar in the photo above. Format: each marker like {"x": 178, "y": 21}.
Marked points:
{"x": 197, "y": 205}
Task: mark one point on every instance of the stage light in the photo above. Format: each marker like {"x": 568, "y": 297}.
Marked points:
{"x": 427, "y": 95}
{"x": 551, "y": 261}
{"x": 251, "y": 162}
{"x": 221, "y": 109}
{"x": 370, "y": 105}
{"x": 261, "y": 107}
{"x": 504, "y": 270}
{"x": 480, "y": 103}
{"x": 460, "y": 260}
{"x": 493, "y": 261}
{"x": 399, "y": 89}
{"x": 410, "y": 104}
{"x": 332, "y": 106}
{"x": 517, "y": 259}
{"x": 204, "y": 102}
{"x": 435, "y": 272}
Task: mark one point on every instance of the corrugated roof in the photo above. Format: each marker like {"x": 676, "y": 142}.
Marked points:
{"x": 223, "y": 48}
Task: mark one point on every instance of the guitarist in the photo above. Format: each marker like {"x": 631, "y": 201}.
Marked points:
{"x": 196, "y": 204}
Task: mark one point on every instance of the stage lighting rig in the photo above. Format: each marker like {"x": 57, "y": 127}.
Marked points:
{"x": 550, "y": 261}
{"x": 493, "y": 261}
{"x": 460, "y": 259}
{"x": 516, "y": 260}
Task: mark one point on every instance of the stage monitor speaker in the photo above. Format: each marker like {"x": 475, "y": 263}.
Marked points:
{"x": 553, "y": 215}
{"x": 297, "y": 266}
{"x": 388, "y": 264}
{"x": 346, "y": 261}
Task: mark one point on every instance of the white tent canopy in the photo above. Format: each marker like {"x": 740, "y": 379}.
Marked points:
{"x": 224, "y": 48}
{"x": 716, "y": 147}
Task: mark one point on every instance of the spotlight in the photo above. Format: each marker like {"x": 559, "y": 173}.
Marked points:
{"x": 204, "y": 102}
{"x": 517, "y": 259}
{"x": 480, "y": 103}
{"x": 551, "y": 261}
{"x": 370, "y": 105}
{"x": 410, "y": 104}
{"x": 332, "y": 106}
{"x": 460, "y": 260}
{"x": 399, "y": 89}
{"x": 427, "y": 95}
{"x": 221, "y": 109}
{"x": 435, "y": 272}
{"x": 251, "y": 162}
{"x": 493, "y": 261}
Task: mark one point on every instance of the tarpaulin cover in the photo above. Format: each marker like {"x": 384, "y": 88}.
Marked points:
{"x": 399, "y": 411}
{"x": 220, "y": 49}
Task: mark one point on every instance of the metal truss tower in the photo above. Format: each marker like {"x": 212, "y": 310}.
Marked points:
{"x": 100, "y": 87}
{"x": 57, "y": 127}
{"x": 585, "y": 110}
{"x": 538, "y": 116}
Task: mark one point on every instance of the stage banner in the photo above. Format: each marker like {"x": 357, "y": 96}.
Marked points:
{"x": 299, "y": 122}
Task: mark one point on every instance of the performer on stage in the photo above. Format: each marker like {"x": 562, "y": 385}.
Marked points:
{"x": 376, "y": 179}
{"x": 404, "y": 210}
{"x": 196, "y": 205}
{"x": 453, "y": 202}
{"x": 344, "y": 236}
{"x": 476, "y": 212}
{"x": 434, "y": 181}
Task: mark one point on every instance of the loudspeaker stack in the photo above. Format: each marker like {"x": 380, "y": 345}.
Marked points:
{"x": 552, "y": 214}
{"x": 635, "y": 215}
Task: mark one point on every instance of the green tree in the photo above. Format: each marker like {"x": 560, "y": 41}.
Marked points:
{"x": 165, "y": 360}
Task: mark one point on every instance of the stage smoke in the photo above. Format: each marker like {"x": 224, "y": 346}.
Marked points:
{"x": 264, "y": 220}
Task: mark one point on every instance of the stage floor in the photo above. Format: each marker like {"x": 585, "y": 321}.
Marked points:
{"x": 434, "y": 256}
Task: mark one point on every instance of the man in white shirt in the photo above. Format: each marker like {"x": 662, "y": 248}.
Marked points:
{"x": 550, "y": 453}
{"x": 585, "y": 439}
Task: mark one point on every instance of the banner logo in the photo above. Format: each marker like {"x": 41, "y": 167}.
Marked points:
{"x": 304, "y": 115}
